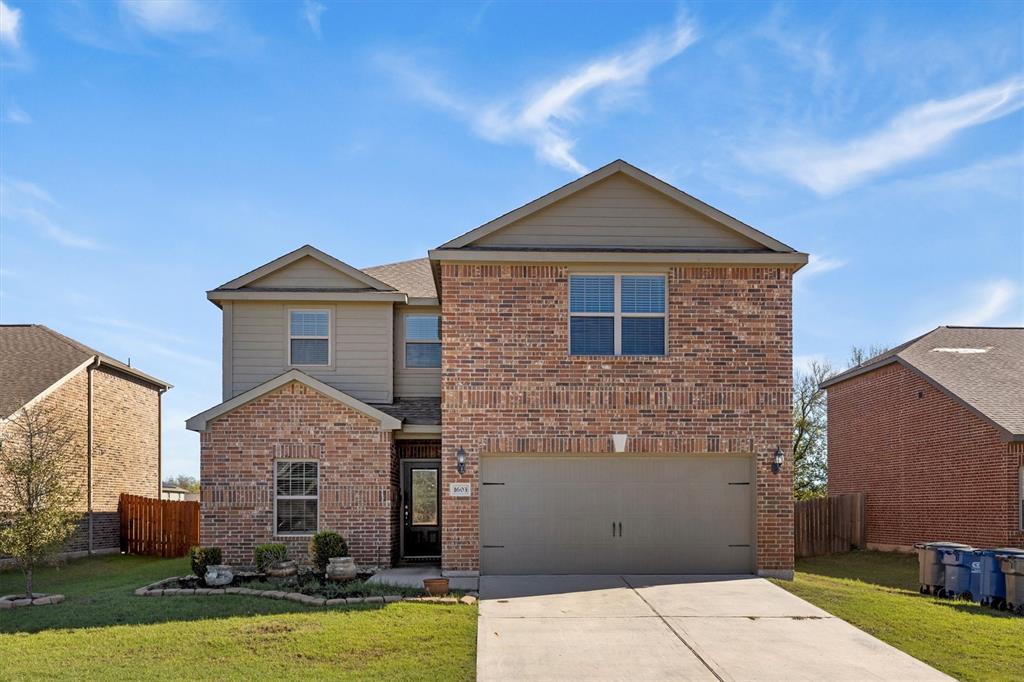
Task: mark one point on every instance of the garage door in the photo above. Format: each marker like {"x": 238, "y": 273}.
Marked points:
{"x": 558, "y": 515}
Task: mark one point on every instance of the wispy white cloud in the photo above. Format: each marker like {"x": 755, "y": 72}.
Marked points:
{"x": 817, "y": 265}
{"x": 137, "y": 328}
{"x": 991, "y": 302}
{"x": 10, "y": 26}
{"x": 25, "y": 203}
{"x": 808, "y": 51}
{"x": 311, "y": 11}
{"x": 831, "y": 167}
{"x": 15, "y": 114}
{"x": 171, "y": 16}
{"x": 543, "y": 115}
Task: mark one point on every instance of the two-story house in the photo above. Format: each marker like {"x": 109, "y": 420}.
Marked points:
{"x": 596, "y": 382}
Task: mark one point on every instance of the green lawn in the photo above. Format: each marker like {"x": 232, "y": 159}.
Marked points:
{"x": 878, "y": 592}
{"x": 105, "y": 632}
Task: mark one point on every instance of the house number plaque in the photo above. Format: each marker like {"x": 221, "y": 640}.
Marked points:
{"x": 460, "y": 489}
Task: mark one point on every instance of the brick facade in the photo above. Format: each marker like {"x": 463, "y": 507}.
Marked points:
{"x": 126, "y": 447}
{"x": 510, "y": 386}
{"x": 932, "y": 469}
{"x": 357, "y": 479}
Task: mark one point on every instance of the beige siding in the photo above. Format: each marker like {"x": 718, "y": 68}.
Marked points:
{"x": 618, "y": 212}
{"x": 362, "y": 345}
{"x": 416, "y": 382}
{"x": 307, "y": 272}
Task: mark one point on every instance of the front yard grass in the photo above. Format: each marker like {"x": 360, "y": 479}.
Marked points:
{"x": 103, "y": 631}
{"x": 878, "y": 592}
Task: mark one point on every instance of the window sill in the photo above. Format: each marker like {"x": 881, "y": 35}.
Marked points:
{"x": 620, "y": 358}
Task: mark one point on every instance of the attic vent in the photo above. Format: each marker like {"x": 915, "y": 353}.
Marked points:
{"x": 962, "y": 351}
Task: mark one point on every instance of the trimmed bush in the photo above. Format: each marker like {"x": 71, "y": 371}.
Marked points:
{"x": 268, "y": 554}
{"x": 326, "y": 545}
{"x": 201, "y": 557}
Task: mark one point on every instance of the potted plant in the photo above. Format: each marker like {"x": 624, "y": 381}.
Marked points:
{"x": 272, "y": 558}
{"x": 328, "y": 552}
{"x": 218, "y": 575}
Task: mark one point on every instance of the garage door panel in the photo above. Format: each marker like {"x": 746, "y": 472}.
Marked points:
{"x": 555, "y": 514}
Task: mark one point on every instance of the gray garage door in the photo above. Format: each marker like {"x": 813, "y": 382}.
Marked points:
{"x": 557, "y": 515}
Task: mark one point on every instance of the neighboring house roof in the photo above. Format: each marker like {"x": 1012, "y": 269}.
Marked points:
{"x": 306, "y": 251}
{"x": 175, "y": 489}
{"x": 412, "y": 277}
{"x": 753, "y": 236}
{"x": 201, "y": 421}
{"x": 34, "y": 358}
{"x": 980, "y": 367}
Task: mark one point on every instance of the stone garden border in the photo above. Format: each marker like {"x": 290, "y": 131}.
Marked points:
{"x": 13, "y": 601}
{"x": 157, "y": 589}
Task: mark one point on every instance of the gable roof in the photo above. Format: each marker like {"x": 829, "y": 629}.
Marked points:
{"x": 34, "y": 358}
{"x": 412, "y": 277}
{"x": 305, "y": 251}
{"x": 619, "y": 166}
{"x": 201, "y": 421}
{"x": 979, "y": 367}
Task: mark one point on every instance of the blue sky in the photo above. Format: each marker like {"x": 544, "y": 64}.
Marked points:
{"x": 151, "y": 151}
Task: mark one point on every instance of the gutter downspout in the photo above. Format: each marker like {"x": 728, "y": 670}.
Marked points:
{"x": 88, "y": 446}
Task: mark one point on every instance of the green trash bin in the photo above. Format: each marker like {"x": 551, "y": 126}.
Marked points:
{"x": 1013, "y": 569}
{"x": 930, "y": 571}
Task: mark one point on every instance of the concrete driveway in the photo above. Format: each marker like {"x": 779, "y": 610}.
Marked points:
{"x": 671, "y": 628}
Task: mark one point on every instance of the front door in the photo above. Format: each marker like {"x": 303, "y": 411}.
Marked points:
{"x": 421, "y": 510}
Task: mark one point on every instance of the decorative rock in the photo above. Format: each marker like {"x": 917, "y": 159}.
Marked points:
{"x": 283, "y": 569}
{"x": 467, "y": 599}
{"x": 335, "y": 602}
{"x": 235, "y": 590}
{"x": 274, "y": 594}
{"x": 141, "y": 592}
{"x": 341, "y": 568}
{"x": 410, "y": 599}
{"x": 8, "y": 604}
{"x": 448, "y": 600}
{"x": 355, "y": 600}
{"x": 313, "y": 601}
{"x": 154, "y": 593}
{"x": 390, "y": 598}
{"x": 219, "y": 575}
{"x": 21, "y": 602}
{"x": 41, "y": 601}
{"x": 374, "y": 600}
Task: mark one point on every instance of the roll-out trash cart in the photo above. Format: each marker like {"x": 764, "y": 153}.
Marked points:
{"x": 1013, "y": 572}
{"x": 930, "y": 569}
{"x": 992, "y": 590}
{"x": 957, "y": 567}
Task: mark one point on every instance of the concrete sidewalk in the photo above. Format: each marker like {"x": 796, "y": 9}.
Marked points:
{"x": 671, "y": 628}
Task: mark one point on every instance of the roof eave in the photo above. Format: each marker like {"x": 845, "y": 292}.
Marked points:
{"x": 793, "y": 258}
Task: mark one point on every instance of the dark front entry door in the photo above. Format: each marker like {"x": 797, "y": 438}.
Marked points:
{"x": 421, "y": 510}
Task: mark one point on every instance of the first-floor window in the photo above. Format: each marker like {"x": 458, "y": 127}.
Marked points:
{"x": 296, "y": 488}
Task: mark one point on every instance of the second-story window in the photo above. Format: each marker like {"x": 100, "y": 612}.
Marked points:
{"x": 309, "y": 337}
{"x": 422, "y": 341}
{"x": 617, "y": 314}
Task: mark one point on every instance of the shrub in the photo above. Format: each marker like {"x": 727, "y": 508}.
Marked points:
{"x": 269, "y": 554}
{"x": 326, "y": 545}
{"x": 201, "y": 557}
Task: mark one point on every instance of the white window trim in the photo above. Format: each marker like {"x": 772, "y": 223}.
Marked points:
{"x": 406, "y": 340}
{"x": 289, "y": 337}
{"x": 297, "y": 497}
{"x": 617, "y": 314}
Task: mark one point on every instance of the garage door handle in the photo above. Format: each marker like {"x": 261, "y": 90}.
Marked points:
{"x": 613, "y": 529}
{"x": 620, "y": 529}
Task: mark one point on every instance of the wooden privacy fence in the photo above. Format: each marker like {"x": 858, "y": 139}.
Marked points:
{"x": 829, "y": 525}
{"x": 164, "y": 528}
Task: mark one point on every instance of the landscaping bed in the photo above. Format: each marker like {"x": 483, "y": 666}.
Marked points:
{"x": 879, "y": 593}
{"x": 101, "y": 628}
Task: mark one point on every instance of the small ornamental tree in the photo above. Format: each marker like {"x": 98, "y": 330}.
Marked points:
{"x": 38, "y": 491}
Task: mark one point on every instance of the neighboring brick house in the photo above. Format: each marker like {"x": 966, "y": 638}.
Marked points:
{"x": 599, "y": 381}
{"x": 112, "y": 410}
{"x": 933, "y": 432}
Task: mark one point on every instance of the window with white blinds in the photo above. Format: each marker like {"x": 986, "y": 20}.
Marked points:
{"x": 617, "y": 315}
{"x": 309, "y": 337}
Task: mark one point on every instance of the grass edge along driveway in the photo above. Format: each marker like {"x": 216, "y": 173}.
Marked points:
{"x": 103, "y": 631}
{"x": 878, "y": 593}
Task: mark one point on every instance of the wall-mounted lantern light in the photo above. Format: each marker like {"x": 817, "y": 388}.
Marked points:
{"x": 460, "y": 461}
{"x": 777, "y": 460}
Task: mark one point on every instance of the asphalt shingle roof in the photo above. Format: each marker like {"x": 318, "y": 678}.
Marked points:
{"x": 981, "y": 366}
{"x": 33, "y": 357}
{"x": 414, "y": 410}
{"x": 412, "y": 277}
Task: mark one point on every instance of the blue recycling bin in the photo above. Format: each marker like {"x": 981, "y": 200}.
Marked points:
{"x": 992, "y": 587}
{"x": 958, "y": 566}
